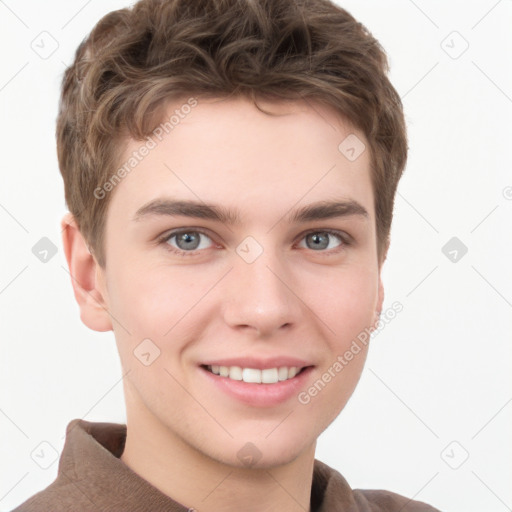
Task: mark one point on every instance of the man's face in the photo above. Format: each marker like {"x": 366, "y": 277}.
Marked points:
{"x": 263, "y": 288}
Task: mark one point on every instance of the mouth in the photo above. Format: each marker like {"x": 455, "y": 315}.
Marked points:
{"x": 255, "y": 375}
{"x": 265, "y": 387}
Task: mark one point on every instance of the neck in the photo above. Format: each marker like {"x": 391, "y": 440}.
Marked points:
{"x": 197, "y": 481}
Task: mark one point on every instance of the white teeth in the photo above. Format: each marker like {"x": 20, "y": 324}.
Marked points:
{"x": 253, "y": 375}
{"x": 235, "y": 372}
{"x": 282, "y": 373}
{"x": 269, "y": 376}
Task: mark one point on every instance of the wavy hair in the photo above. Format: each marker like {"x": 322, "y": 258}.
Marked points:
{"x": 137, "y": 59}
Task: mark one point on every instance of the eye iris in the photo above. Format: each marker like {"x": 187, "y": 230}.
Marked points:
{"x": 316, "y": 237}
{"x": 187, "y": 238}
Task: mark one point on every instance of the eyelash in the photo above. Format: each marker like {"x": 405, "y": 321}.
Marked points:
{"x": 343, "y": 238}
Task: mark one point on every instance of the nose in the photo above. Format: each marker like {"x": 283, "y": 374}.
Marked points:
{"x": 260, "y": 296}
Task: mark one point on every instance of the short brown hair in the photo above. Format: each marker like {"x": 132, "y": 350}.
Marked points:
{"x": 136, "y": 59}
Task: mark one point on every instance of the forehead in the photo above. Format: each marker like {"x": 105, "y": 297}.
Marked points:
{"x": 226, "y": 151}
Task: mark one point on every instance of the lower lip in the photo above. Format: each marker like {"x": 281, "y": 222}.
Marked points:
{"x": 260, "y": 395}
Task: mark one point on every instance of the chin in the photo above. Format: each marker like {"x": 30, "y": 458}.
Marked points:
{"x": 260, "y": 453}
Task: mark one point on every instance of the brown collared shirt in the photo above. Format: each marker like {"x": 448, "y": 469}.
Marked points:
{"x": 92, "y": 477}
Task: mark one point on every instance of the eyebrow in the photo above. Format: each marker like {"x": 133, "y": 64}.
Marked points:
{"x": 196, "y": 209}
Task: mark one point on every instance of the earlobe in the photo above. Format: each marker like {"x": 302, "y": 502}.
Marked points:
{"x": 89, "y": 292}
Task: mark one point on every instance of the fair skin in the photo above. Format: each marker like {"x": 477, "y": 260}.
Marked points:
{"x": 304, "y": 296}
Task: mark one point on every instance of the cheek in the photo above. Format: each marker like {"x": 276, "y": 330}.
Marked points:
{"x": 150, "y": 300}
{"x": 347, "y": 303}
{"x": 152, "y": 306}
{"x": 346, "y": 306}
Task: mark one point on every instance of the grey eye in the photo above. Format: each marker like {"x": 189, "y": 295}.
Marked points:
{"x": 319, "y": 240}
{"x": 188, "y": 240}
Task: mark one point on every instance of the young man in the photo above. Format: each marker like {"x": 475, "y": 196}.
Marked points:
{"x": 230, "y": 169}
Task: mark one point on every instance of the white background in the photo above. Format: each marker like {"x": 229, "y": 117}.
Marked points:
{"x": 439, "y": 372}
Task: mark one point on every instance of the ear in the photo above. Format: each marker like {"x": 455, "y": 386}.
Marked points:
{"x": 86, "y": 277}
{"x": 380, "y": 302}
{"x": 380, "y": 293}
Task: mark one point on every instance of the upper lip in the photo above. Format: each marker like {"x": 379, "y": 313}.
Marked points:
{"x": 259, "y": 363}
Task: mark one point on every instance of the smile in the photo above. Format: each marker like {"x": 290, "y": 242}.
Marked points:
{"x": 254, "y": 375}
